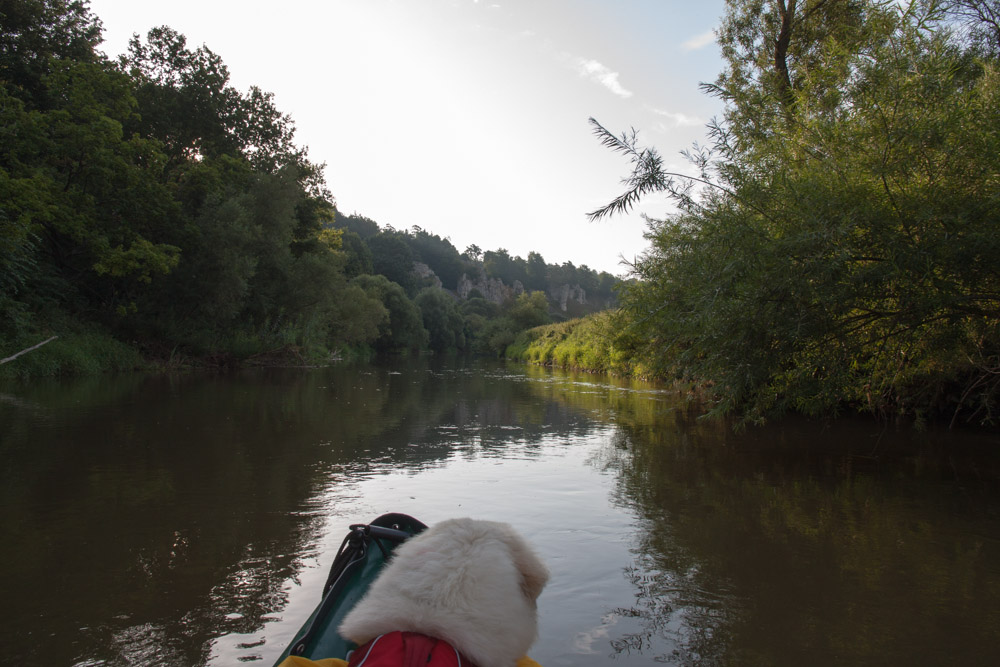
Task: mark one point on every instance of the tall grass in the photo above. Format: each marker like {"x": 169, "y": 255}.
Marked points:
{"x": 587, "y": 343}
{"x": 81, "y": 353}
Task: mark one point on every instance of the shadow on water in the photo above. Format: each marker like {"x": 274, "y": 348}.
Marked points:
{"x": 148, "y": 517}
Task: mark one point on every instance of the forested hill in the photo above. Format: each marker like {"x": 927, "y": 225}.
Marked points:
{"x": 417, "y": 258}
{"x": 148, "y": 205}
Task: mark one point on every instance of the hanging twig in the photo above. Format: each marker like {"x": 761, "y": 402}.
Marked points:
{"x": 25, "y": 351}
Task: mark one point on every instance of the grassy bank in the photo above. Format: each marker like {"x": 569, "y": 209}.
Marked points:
{"x": 587, "y": 344}
{"x": 76, "y": 353}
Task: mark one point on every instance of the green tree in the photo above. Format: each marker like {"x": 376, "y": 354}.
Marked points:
{"x": 499, "y": 264}
{"x": 81, "y": 197}
{"x": 186, "y": 100}
{"x": 536, "y": 272}
{"x": 530, "y": 310}
{"x": 404, "y": 328}
{"x": 358, "y": 257}
{"x": 439, "y": 254}
{"x": 392, "y": 258}
{"x": 473, "y": 252}
{"x": 442, "y": 319}
{"x": 359, "y": 224}
{"x": 37, "y": 34}
{"x": 357, "y": 317}
{"x": 842, "y": 249}
{"x": 153, "y": 199}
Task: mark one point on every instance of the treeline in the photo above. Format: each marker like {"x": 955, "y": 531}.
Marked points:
{"x": 389, "y": 252}
{"x": 382, "y": 258}
{"x": 840, "y": 246}
{"x": 149, "y": 205}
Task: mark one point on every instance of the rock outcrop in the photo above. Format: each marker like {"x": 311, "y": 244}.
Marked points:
{"x": 425, "y": 272}
{"x": 563, "y": 294}
{"x": 492, "y": 289}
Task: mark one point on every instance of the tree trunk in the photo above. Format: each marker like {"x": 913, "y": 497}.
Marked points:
{"x": 781, "y": 57}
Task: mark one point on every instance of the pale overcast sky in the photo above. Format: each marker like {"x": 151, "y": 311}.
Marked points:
{"x": 468, "y": 117}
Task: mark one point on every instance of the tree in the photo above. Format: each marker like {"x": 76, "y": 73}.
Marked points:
{"x": 530, "y": 310}
{"x": 404, "y": 329}
{"x": 36, "y": 34}
{"x": 152, "y": 200}
{"x": 473, "y": 252}
{"x": 839, "y": 250}
{"x": 362, "y": 226}
{"x": 536, "y": 272}
{"x": 81, "y": 197}
{"x": 499, "y": 264}
{"x": 186, "y": 101}
{"x": 439, "y": 254}
{"x": 981, "y": 20}
{"x": 392, "y": 258}
{"x": 442, "y": 319}
{"x": 358, "y": 257}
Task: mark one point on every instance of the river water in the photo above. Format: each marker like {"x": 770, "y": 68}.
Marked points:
{"x": 191, "y": 519}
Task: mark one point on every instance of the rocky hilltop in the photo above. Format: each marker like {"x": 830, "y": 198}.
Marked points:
{"x": 561, "y": 297}
{"x": 492, "y": 289}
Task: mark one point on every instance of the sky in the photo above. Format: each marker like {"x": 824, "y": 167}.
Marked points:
{"x": 469, "y": 118}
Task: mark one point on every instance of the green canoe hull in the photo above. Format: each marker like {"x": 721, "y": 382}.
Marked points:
{"x": 364, "y": 552}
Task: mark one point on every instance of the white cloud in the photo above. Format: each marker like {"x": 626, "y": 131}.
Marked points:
{"x": 678, "y": 119}
{"x": 602, "y": 75}
{"x": 699, "y": 41}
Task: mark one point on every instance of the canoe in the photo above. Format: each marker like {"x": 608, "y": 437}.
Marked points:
{"x": 361, "y": 556}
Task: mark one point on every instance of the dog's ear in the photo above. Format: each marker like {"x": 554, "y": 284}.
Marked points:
{"x": 534, "y": 574}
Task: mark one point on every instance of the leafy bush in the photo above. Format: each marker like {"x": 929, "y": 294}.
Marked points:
{"x": 843, "y": 251}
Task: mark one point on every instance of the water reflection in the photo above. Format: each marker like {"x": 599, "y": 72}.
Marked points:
{"x": 189, "y": 520}
{"x": 798, "y": 545}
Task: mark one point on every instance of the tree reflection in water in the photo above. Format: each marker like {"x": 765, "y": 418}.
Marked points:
{"x": 794, "y": 544}
{"x": 174, "y": 520}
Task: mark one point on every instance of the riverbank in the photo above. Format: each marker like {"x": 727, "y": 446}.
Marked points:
{"x": 72, "y": 354}
{"x": 93, "y": 352}
{"x": 600, "y": 343}
{"x": 585, "y": 344}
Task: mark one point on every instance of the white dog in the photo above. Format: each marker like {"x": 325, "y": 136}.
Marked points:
{"x": 470, "y": 583}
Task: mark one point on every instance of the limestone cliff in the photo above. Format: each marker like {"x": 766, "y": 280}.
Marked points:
{"x": 492, "y": 289}
{"x": 425, "y": 272}
{"x": 569, "y": 299}
{"x": 564, "y": 294}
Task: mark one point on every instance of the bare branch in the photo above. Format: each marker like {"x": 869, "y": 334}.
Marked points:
{"x": 25, "y": 351}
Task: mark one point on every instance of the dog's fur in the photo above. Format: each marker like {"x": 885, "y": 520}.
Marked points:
{"x": 471, "y": 583}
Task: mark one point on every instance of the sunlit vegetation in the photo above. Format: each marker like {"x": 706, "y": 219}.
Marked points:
{"x": 814, "y": 526}
{"x": 151, "y": 211}
{"x": 589, "y": 344}
{"x": 839, "y": 246}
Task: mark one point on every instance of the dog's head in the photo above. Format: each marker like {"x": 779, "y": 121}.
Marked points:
{"x": 471, "y": 583}
{"x": 534, "y": 575}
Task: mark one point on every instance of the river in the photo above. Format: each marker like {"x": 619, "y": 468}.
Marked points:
{"x": 190, "y": 519}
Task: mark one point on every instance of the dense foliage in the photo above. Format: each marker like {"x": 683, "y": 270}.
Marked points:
{"x": 841, "y": 243}
{"x": 151, "y": 200}
{"x": 146, "y": 204}
{"x": 587, "y": 344}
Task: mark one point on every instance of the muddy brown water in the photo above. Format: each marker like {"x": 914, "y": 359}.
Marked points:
{"x": 191, "y": 519}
